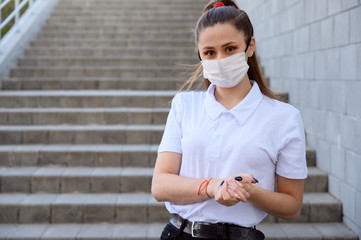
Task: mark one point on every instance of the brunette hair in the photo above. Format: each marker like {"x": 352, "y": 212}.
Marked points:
{"x": 230, "y": 13}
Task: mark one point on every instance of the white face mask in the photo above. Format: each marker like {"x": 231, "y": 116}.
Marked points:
{"x": 226, "y": 72}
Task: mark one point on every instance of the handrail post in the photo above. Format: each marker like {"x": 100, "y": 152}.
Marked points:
{"x": 31, "y": 2}
{"x": 17, "y": 15}
{"x": 0, "y": 28}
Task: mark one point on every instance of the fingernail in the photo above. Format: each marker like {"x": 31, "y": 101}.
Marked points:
{"x": 255, "y": 180}
{"x": 221, "y": 183}
{"x": 239, "y": 178}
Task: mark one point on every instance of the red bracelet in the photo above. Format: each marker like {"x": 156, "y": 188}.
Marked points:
{"x": 201, "y": 187}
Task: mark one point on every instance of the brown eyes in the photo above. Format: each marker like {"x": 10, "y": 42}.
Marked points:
{"x": 209, "y": 53}
{"x": 230, "y": 49}
{"x": 212, "y": 53}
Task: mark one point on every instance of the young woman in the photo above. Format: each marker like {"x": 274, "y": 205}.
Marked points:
{"x": 223, "y": 149}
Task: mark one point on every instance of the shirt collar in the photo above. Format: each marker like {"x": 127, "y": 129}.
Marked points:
{"x": 242, "y": 111}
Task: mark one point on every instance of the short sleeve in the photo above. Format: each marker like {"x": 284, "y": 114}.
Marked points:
{"x": 171, "y": 140}
{"x": 291, "y": 162}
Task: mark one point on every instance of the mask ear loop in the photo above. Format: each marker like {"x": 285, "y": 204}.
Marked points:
{"x": 249, "y": 42}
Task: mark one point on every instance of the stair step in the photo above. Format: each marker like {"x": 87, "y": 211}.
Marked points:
{"x": 83, "y": 116}
{"x": 78, "y": 155}
{"x": 99, "y": 71}
{"x": 58, "y": 179}
{"x": 311, "y": 156}
{"x": 91, "y": 83}
{"x": 119, "y": 34}
{"x": 75, "y": 179}
{"x": 128, "y": 13}
{"x": 317, "y": 180}
{"x": 109, "y": 30}
{"x": 101, "y": 83}
{"x": 315, "y": 231}
{"x": 105, "y": 42}
{"x": 128, "y": 207}
{"x": 118, "y": 27}
{"x": 110, "y": 51}
{"x": 122, "y": 7}
{"x": 86, "y": 155}
{"x": 120, "y": 19}
{"x": 106, "y": 61}
{"x": 152, "y": 231}
{"x": 141, "y": 2}
{"x": 136, "y": 2}
{"x": 136, "y": 32}
{"x": 137, "y": 5}
{"x": 90, "y": 98}
{"x": 103, "y": 134}
{"x": 85, "y": 98}
{"x": 81, "y": 208}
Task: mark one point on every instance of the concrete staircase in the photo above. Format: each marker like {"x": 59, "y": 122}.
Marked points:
{"x": 81, "y": 117}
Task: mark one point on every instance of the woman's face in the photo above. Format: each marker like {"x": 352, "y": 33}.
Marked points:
{"x": 220, "y": 41}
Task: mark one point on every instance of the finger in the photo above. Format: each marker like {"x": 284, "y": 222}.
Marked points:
{"x": 233, "y": 194}
{"x": 246, "y": 178}
{"x": 240, "y": 193}
{"x": 233, "y": 186}
{"x": 245, "y": 186}
{"x": 246, "y": 194}
{"x": 228, "y": 194}
{"x": 217, "y": 195}
{"x": 243, "y": 196}
{"x": 224, "y": 192}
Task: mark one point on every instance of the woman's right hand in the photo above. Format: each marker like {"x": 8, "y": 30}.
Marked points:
{"x": 232, "y": 191}
{"x": 223, "y": 196}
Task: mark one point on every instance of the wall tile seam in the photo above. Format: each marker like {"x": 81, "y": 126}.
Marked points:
{"x": 326, "y": 140}
{"x": 351, "y": 224}
{"x": 294, "y": 54}
{"x": 344, "y": 215}
{"x": 280, "y": 11}
{"x": 256, "y": 6}
{"x": 344, "y": 10}
{"x": 335, "y": 14}
{"x": 309, "y": 23}
{"x": 328, "y": 111}
{"x": 352, "y": 151}
{"x": 314, "y": 21}
{"x": 335, "y": 176}
{"x": 320, "y": 138}
{"x": 251, "y": 13}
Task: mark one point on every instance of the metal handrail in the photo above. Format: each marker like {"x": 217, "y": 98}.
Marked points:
{"x": 15, "y": 13}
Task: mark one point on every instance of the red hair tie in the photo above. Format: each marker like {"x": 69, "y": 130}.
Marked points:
{"x": 219, "y": 4}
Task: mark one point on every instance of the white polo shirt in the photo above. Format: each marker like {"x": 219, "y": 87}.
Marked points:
{"x": 260, "y": 136}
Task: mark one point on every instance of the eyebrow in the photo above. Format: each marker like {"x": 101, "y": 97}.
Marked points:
{"x": 224, "y": 45}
